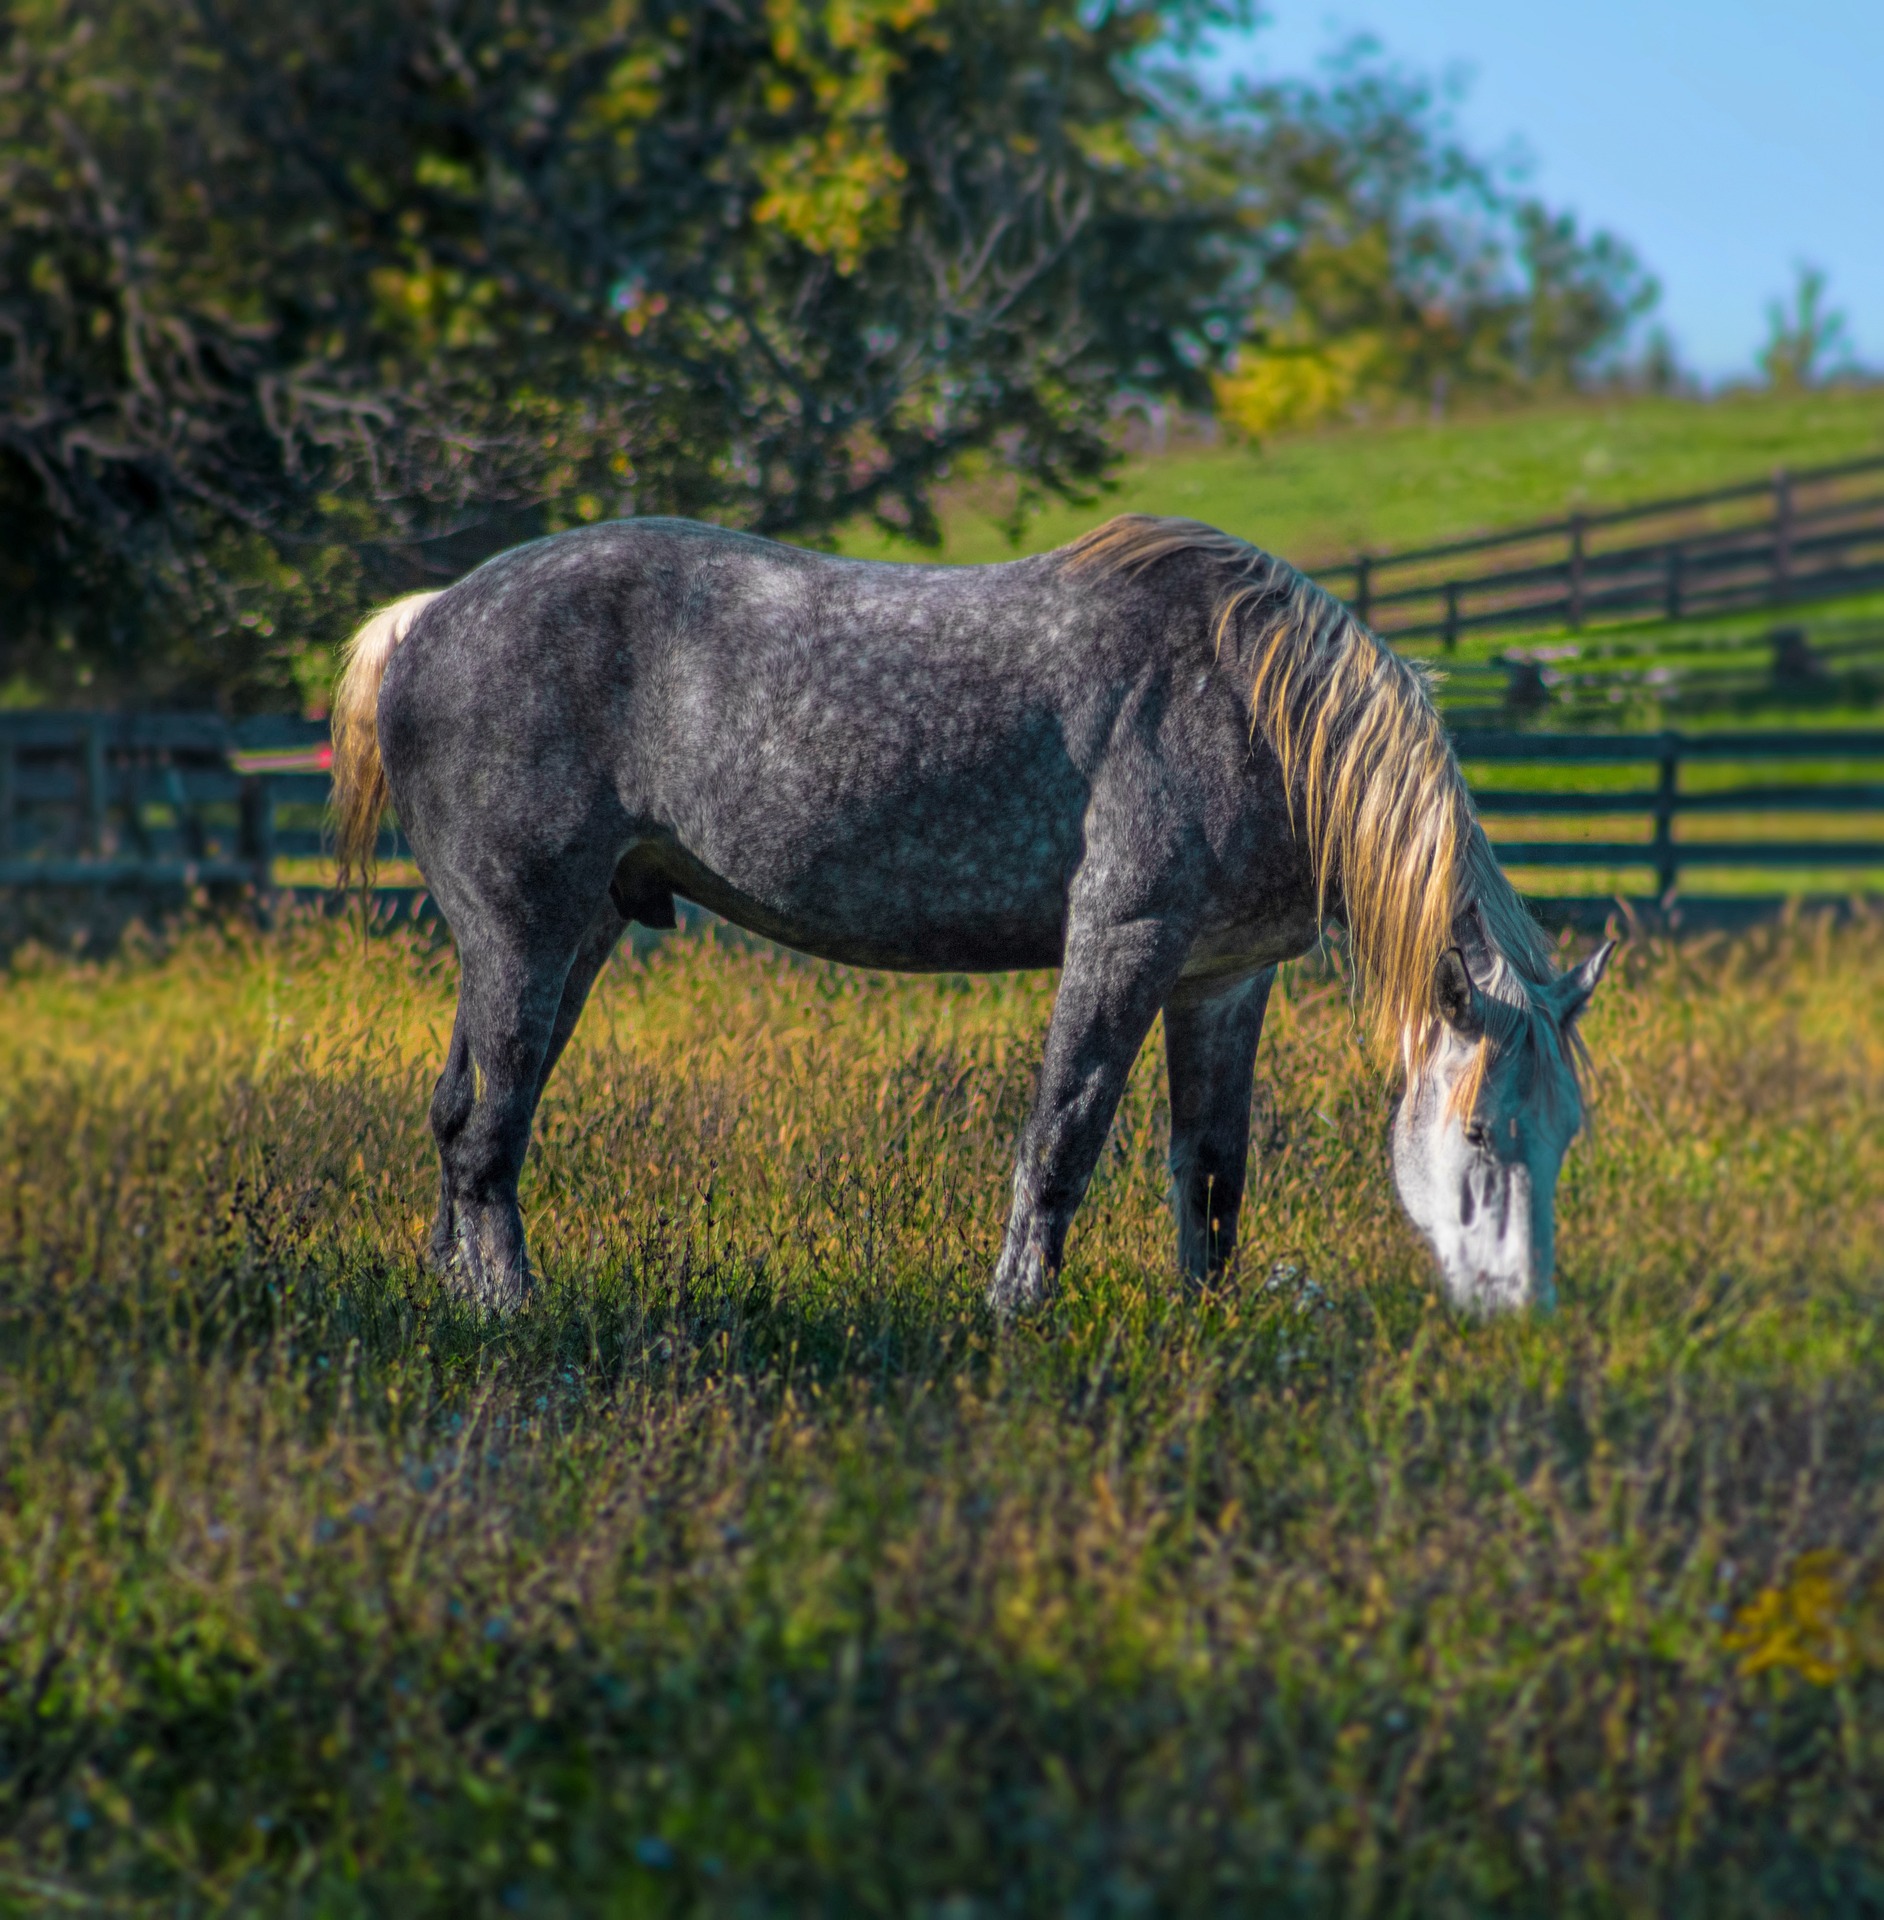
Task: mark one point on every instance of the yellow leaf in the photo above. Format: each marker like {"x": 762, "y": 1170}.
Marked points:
{"x": 1808, "y": 1625}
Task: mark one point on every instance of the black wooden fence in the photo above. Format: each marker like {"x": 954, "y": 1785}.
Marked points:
{"x": 162, "y": 801}
{"x": 1832, "y": 775}
{"x": 159, "y": 800}
{"x": 1811, "y": 534}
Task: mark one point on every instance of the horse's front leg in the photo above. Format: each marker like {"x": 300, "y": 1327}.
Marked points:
{"x": 1112, "y": 980}
{"x": 1211, "y": 1031}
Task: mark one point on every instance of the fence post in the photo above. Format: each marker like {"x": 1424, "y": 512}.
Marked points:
{"x": 1667, "y": 788}
{"x": 189, "y": 818}
{"x": 1672, "y": 605}
{"x": 1363, "y": 588}
{"x": 95, "y": 796}
{"x": 256, "y": 836}
{"x": 1452, "y": 616}
{"x": 1576, "y": 571}
{"x": 1782, "y": 527}
{"x": 130, "y": 798}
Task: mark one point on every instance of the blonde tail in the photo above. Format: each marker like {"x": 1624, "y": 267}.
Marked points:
{"x": 360, "y": 791}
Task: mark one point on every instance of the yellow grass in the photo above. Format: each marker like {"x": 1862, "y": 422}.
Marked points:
{"x": 754, "y": 1570}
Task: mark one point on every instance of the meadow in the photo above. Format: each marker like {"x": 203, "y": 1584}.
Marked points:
{"x": 1320, "y": 497}
{"x": 754, "y": 1570}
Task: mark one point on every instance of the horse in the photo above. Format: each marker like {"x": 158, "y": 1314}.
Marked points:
{"x": 1159, "y": 759}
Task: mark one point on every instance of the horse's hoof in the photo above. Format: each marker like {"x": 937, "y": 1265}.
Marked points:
{"x": 490, "y": 1269}
{"x": 1023, "y": 1285}
{"x": 506, "y": 1293}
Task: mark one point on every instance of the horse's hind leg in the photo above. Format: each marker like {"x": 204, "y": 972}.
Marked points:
{"x": 451, "y": 1101}
{"x": 600, "y": 939}
{"x": 454, "y": 1098}
{"x": 513, "y": 974}
{"x": 1210, "y": 1038}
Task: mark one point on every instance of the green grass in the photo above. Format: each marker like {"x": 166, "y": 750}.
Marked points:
{"x": 1321, "y": 497}
{"x": 754, "y": 1571}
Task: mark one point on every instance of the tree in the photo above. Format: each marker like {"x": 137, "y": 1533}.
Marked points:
{"x": 1805, "y": 339}
{"x": 1390, "y": 263}
{"x": 300, "y": 305}
{"x": 1576, "y": 300}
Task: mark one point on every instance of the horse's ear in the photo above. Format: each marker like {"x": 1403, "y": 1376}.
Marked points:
{"x": 1572, "y": 991}
{"x": 1457, "y": 1000}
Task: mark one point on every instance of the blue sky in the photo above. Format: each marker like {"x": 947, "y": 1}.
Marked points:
{"x": 1724, "y": 141}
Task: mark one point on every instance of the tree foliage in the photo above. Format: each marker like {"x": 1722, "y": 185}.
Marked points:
{"x": 1392, "y": 263}
{"x": 1807, "y": 340}
{"x": 298, "y": 305}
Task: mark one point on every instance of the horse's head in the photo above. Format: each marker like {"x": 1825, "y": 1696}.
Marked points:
{"x": 1483, "y": 1126}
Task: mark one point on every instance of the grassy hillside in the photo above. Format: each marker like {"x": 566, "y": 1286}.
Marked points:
{"x": 753, "y": 1571}
{"x": 1321, "y": 497}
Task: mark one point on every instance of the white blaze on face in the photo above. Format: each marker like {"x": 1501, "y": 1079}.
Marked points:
{"x": 1486, "y": 1214}
{"x": 1481, "y": 1185}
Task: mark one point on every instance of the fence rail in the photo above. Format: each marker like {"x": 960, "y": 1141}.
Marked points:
{"x": 1833, "y": 663}
{"x": 1815, "y": 533}
{"x": 1663, "y": 804}
{"x": 161, "y": 801}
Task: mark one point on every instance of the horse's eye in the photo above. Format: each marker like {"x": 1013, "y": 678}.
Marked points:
{"x": 1475, "y": 1133}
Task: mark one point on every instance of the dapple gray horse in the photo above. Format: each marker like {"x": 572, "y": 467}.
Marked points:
{"x": 1154, "y": 759}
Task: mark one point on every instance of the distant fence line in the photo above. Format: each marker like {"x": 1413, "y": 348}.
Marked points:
{"x": 1793, "y": 666}
{"x": 181, "y": 800}
{"x": 1812, "y": 533}
{"x": 158, "y": 800}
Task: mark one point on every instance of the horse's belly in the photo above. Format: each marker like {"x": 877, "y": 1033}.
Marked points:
{"x": 881, "y": 852}
{"x": 963, "y": 913}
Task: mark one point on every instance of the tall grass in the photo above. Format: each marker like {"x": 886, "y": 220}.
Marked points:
{"x": 753, "y": 1570}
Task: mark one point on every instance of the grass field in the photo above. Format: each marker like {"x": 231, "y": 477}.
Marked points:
{"x": 753, "y": 1571}
{"x": 1320, "y": 497}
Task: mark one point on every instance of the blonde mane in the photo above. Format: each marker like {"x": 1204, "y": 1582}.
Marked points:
{"x": 1373, "y": 785}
